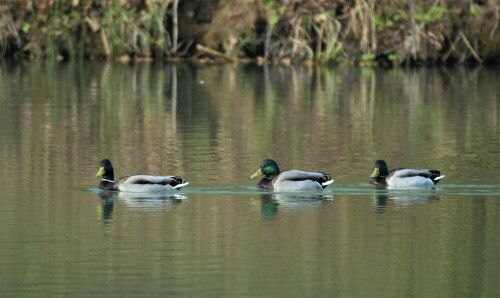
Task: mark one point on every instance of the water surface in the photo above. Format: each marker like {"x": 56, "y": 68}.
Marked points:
{"x": 220, "y": 236}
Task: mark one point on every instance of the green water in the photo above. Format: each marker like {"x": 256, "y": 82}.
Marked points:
{"x": 220, "y": 236}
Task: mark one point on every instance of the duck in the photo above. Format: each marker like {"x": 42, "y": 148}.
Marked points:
{"x": 136, "y": 183}
{"x": 290, "y": 180}
{"x": 403, "y": 177}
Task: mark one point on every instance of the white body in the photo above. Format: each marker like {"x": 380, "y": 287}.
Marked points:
{"x": 295, "y": 180}
{"x": 410, "y": 178}
{"x": 155, "y": 184}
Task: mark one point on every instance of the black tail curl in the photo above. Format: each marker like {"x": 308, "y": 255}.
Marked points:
{"x": 177, "y": 181}
{"x": 435, "y": 174}
{"x": 325, "y": 178}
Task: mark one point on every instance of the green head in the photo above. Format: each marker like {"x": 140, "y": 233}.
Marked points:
{"x": 380, "y": 169}
{"x": 105, "y": 170}
{"x": 268, "y": 168}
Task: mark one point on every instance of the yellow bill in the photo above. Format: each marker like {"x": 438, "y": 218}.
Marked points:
{"x": 376, "y": 173}
{"x": 257, "y": 174}
{"x": 101, "y": 172}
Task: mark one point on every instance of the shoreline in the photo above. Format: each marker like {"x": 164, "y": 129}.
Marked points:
{"x": 362, "y": 33}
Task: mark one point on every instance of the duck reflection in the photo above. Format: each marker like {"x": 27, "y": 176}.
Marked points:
{"x": 386, "y": 198}
{"x": 272, "y": 203}
{"x": 138, "y": 201}
{"x": 150, "y": 201}
{"x": 106, "y": 207}
{"x": 380, "y": 202}
{"x": 268, "y": 206}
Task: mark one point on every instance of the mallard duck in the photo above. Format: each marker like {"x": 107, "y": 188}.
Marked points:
{"x": 291, "y": 180}
{"x": 136, "y": 183}
{"x": 403, "y": 177}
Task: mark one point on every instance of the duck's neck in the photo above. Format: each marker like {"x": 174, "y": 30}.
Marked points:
{"x": 271, "y": 176}
{"x": 109, "y": 175}
{"x": 107, "y": 184}
{"x": 379, "y": 180}
{"x": 266, "y": 182}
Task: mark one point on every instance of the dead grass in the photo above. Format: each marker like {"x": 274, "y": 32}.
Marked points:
{"x": 291, "y": 31}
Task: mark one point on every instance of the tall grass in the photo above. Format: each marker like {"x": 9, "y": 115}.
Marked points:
{"x": 288, "y": 31}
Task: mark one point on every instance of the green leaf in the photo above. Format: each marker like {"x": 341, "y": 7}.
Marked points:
{"x": 393, "y": 57}
{"x": 273, "y": 19}
{"x": 475, "y": 12}
{"x": 368, "y": 57}
{"x": 26, "y": 27}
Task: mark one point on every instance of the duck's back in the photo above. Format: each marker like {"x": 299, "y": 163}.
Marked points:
{"x": 294, "y": 180}
{"x": 410, "y": 178}
{"x": 145, "y": 183}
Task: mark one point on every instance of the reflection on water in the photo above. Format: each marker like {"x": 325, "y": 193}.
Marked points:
{"x": 106, "y": 206}
{"x": 272, "y": 203}
{"x": 136, "y": 201}
{"x": 157, "y": 119}
{"x": 402, "y": 199}
{"x": 221, "y": 236}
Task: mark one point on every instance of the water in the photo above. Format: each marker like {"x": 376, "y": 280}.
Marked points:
{"x": 220, "y": 236}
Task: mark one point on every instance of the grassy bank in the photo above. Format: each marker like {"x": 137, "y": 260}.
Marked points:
{"x": 388, "y": 32}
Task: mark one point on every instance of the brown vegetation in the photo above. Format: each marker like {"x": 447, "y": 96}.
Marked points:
{"x": 285, "y": 31}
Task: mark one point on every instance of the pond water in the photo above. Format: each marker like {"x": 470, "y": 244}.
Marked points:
{"x": 221, "y": 236}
